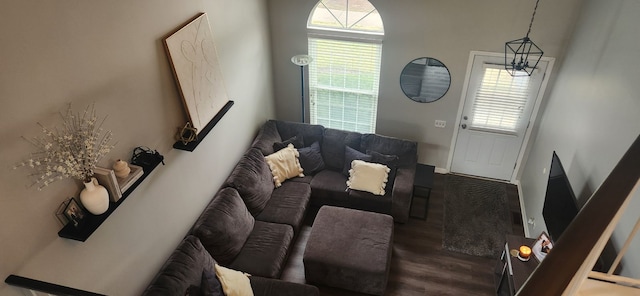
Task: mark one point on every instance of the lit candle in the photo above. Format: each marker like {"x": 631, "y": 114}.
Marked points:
{"x": 525, "y": 252}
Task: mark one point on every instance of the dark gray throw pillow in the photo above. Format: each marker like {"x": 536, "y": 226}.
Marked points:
{"x": 193, "y": 290}
{"x": 297, "y": 141}
{"x": 350, "y": 155}
{"x": 210, "y": 285}
{"x": 391, "y": 161}
{"x": 311, "y": 159}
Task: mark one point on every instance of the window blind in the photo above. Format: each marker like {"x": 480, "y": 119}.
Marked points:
{"x": 343, "y": 83}
{"x": 500, "y": 100}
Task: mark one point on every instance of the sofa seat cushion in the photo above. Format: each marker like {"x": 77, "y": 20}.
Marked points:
{"x": 366, "y": 201}
{"x": 287, "y": 205}
{"x": 306, "y": 179}
{"x": 265, "y": 252}
{"x": 329, "y": 188}
{"x": 224, "y": 226}
{"x": 268, "y": 287}
{"x": 253, "y": 180}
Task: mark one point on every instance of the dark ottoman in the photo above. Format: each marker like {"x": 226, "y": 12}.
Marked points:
{"x": 349, "y": 249}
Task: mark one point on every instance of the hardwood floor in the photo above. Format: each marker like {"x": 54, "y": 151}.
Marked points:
{"x": 419, "y": 266}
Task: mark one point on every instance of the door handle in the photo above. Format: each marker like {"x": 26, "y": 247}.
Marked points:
{"x": 464, "y": 126}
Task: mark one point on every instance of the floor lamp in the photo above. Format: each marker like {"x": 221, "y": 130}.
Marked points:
{"x": 302, "y": 60}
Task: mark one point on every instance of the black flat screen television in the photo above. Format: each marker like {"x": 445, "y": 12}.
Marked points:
{"x": 560, "y": 205}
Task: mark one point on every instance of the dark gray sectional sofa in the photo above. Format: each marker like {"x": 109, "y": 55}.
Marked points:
{"x": 250, "y": 225}
{"x": 328, "y": 186}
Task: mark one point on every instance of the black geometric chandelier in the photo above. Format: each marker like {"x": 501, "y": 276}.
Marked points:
{"x": 522, "y": 55}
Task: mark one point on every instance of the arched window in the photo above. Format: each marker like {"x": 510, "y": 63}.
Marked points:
{"x": 345, "y": 41}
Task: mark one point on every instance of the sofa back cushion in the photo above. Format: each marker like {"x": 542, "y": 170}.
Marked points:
{"x": 406, "y": 151}
{"x": 267, "y": 135}
{"x": 224, "y": 226}
{"x": 333, "y": 147}
{"x": 309, "y": 132}
{"x": 253, "y": 180}
{"x": 296, "y": 141}
{"x": 184, "y": 268}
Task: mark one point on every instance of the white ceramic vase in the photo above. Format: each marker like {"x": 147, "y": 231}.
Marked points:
{"x": 94, "y": 197}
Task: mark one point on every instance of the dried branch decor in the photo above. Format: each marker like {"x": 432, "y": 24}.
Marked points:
{"x": 71, "y": 151}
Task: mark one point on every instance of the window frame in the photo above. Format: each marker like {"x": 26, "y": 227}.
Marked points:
{"x": 357, "y": 36}
{"x": 524, "y": 98}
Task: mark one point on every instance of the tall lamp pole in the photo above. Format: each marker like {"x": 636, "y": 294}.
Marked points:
{"x": 302, "y": 60}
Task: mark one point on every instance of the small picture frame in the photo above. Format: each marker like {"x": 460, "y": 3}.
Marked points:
{"x": 73, "y": 212}
{"x": 542, "y": 246}
{"x": 62, "y": 218}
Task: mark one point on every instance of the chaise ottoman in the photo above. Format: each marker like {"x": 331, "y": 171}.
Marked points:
{"x": 349, "y": 249}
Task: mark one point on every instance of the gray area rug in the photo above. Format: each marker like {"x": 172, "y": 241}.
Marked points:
{"x": 476, "y": 216}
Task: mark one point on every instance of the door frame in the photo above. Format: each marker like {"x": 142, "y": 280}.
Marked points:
{"x": 532, "y": 119}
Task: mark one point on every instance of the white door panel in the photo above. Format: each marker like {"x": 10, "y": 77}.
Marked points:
{"x": 495, "y": 117}
{"x": 486, "y": 155}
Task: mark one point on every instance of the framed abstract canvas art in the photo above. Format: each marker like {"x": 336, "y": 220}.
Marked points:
{"x": 195, "y": 65}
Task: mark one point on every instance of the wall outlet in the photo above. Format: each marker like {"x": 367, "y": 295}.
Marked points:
{"x": 441, "y": 123}
{"x": 532, "y": 221}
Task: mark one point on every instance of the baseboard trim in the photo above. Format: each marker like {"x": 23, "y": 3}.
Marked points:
{"x": 523, "y": 211}
{"x": 441, "y": 170}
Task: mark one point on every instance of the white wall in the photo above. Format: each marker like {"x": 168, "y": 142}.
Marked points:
{"x": 591, "y": 117}
{"x": 446, "y": 30}
{"x": 110, "y": 52}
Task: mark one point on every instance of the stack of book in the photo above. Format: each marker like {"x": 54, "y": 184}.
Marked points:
{"x": 114, "y": 185}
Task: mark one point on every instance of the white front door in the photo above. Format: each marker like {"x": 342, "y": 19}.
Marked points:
{"x": 495, "y": 117}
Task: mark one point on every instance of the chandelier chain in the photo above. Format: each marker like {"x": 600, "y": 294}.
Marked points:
{"x": 532, "y": 17}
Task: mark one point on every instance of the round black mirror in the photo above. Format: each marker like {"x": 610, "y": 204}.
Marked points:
{"x": 425, "y": 80}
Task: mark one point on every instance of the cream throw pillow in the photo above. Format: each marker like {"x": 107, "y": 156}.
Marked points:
{"x": 284, "y": 164}
{"x": 366, "y": 176}
{"x": 234, "y": 283}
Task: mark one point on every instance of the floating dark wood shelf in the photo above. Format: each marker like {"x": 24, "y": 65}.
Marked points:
{"x": 203, "y": 133}
{"x": 91, "y": 222}
{"x": 49, "y": 288}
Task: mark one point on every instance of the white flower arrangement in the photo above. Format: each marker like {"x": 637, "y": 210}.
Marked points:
{"x": 72, "y": 151}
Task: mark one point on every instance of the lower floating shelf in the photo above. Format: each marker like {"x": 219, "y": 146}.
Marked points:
{"x": 91, "y": 222}
{"x": 49, "y": 288}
